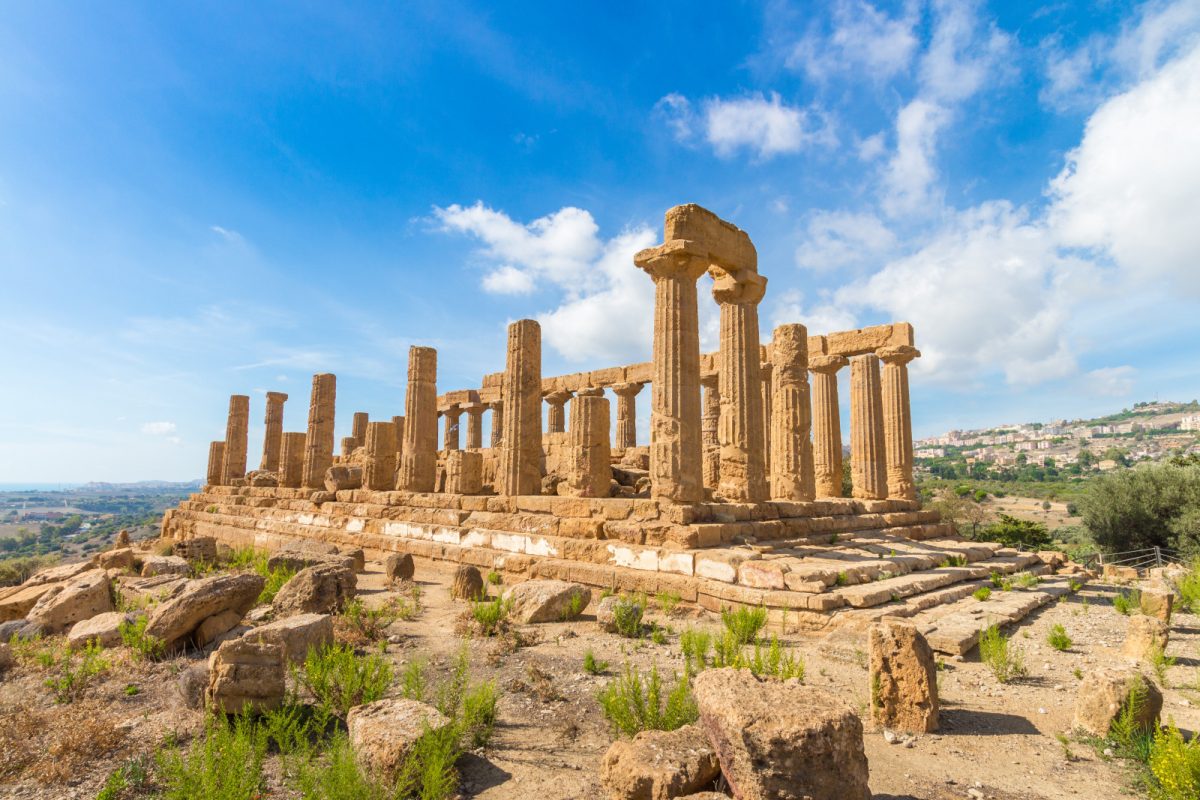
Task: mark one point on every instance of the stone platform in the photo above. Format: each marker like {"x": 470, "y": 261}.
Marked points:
{"x": 812, "y": 564}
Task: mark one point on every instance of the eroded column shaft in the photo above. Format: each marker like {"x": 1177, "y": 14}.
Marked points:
{"x": 520, "y": 471}
{"x": 358, "y": 428}
{"x": 627, "y": 414}
{"x": 318, "y": 443}
{"x": 590, "y": 473}
{"x": 897, "y": 421}
{"x": 291, "y": 460}
{"x": 791, "y": 416}
{"x": 765, "y": 370}
{"x": 451, "y": 417}
{"x": 827, "y": 425}
{"x": 497, "y": 423}
{"x": 274, "y": 431}
{"x": 474, "y": 426}
{"x": 380, "y": 468}
{"x": 236, "y": 439}
{"x": 418, "y": 456}
{"x": 709, "y": 421}
{"x": 216, "y": 463}
{"x": 743, "y": 470}
{"x": 868, "y": 464}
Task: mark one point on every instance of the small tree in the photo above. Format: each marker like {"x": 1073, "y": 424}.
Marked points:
{"x": 1020, "y": 533}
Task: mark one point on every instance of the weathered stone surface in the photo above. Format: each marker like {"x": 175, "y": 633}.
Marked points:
{"x": 6, "y": 657}
{"x": 418, "y": 454}
{"x": 165, "y": 565}
{"x": 827, "y": 425}
{"x": 626, "y": 414}
{"x": 246, "y": 676}
{"x": 318, "y": 443}
{"x": 743, "y": 469}
{"x": 589, "y": 469}
{"x": 659, "y": 765}
{"x": 398, "y": 567}
{"x": 104, "y": 628}
{"x": 383, "y": 732}
{"x": 291, "y": 460}
{"x": 153, "y": 589}
{"x": 547, "y": 601}
{"x": 519, "y": 470}
{"x": 782, "y": 740}
{"x": 320, "y": 589}
{"x": 868, "y": 458}
{"x": 216, "y": 463}
{"x": 379, "y": 471}
{"x": 236, "y": 428}
{"x": 192, "y": 684}
{"x": 464, "y": 472}
{"x": 1104, "y": 692}
{"x": 121, "y": 558}
{"x": 341, "y": 477}
{"x": 122, "y": 539}
{"x": 790, "y": 423}
{"x": 467, "y": 583}
{"x": 903, "y": 678}
{"x": 174, "y": 620}
{"x": 262, "y": 478}
{"x": 81, "y": 598}
{"x": 897, "y": 420}
{"x": 297, "y": 634}
{"x": 214, "y": 627}
{"x": 1143, "y": 636}
{"x": 1157, "y": 602}
{"x": 198, "y": 548}
{"x": 273, "y": 436}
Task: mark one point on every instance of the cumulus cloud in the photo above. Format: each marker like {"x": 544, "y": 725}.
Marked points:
{"x": 507, "y": 279}
{"x": 158, "y": 428}
{"x": 764, "y": 125}
{"x": 910, "y": 175}
{"x": 862, "y": 38}
{"x": 820, "y": 316}
{"x": 1111, "y": 381}
{"x": 841, "y": 240}
{"x": 964, "y": 52}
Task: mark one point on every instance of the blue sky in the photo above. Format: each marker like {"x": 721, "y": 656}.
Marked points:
{"x": 203, "y": 199}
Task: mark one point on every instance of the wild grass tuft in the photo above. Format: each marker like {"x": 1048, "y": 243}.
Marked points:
{"x": 490, "y": 615}
{"x": 592, "y": 666}
{"x": 1058, "y": 638}
{"x": 744, "y": 623}
{"x": 1002, "y": 657}
{"x": 339, "y": 679}
{"x": 144, "y": 646}
{"x": 982, "y": 593}
{"x": 71, "y": 680}
{"x": 634, "y": 703}
{"x": 226, "y": 764}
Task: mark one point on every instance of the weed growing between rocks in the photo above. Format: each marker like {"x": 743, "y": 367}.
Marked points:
{"x": 1004, "y": 658}
{"x": 1160, "y": 662}
{"x": 591, "y": 666}
{"x": 490, "y": 616}
{"x": 226, "y": 764}
{"x": 627, "y": 616}
{"x": 744, "y": 623}
{"x": 339, "y": 679}
{"x": 71, "y": 680}
{"x": 371, "y": 624}
{"x": 634, "y": 703}
{"x": 982, "y": 593}
{"x": 1058, "y": 638}
{"x": 1127, "y": 603}
{"x": 142, "y": 645}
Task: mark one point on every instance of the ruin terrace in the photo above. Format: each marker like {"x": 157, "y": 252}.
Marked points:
{"x": 735, "y": 500}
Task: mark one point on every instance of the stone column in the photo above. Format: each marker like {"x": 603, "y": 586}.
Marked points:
{"x": 675, "y": 445}
{"x": 764, "y": 370}
{"x": 236, "y": 439}
{"x": 497, "y": 408}
{"x": 274, "y": 434}
{"x": 318, "y": 444}
{"x": 791, "y": 416}
{"x": 897, "y": 420}
{"x": 349, "y": 445}
{"x": 379, "y": 472}
{"x": 450, "y": 419}
{"x": 520, "y": 468}
{"x": 398, "y": 426}
{"x": 590, "y": 473}
{"x": 827, "y": 425}
{"x": 418, "y": 456}
{"x": 868, "y": 464}
{"x": 291, "y": 460}
{"x": 627, "y": 413}
{"x": 709, "y": 421}
{"x": 474, "y": 425}
{"x": 358, "y": 428}
{"x": 743, "y": 470}
{"x": 216, "y": 463}
{"x": 556, "y": 420}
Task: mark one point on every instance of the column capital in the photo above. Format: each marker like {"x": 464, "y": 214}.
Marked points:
{"x": 710, "y": 381}
{"x": 828, "y": 365}
{"x": 765, "y": 369}
{"x": 897, "y": 354}
{"x": 475, "y": 408}
{"x": 558, "y": 397}
{"x": 495, "y": 405}
{"x": 678, "y": 258}
{"x": 591, "y": 391}
{"x": 744, "y": 287}
{"x": 452, "y": 410}
{"x": 627, "y": 389}
{"x": 277, "y": 396}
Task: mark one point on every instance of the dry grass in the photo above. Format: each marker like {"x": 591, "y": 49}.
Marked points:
{"x": 54, "y": 747}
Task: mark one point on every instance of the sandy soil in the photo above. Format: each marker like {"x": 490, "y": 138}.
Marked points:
{"x": 996, "y": 741}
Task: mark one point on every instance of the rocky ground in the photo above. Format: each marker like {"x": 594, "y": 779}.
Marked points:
{"x": 996, "y": 740}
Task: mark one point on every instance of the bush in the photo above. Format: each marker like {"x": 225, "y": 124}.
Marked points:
{"x": 372, "y": 623}
{"x": 744, "y": 623}
{"x": 143, "y": 645}
{"x": 14, "y": 571}
{"x": 1058, "y": 638}
{"x": 667, "y": 601}
{"x": 227, "y": 764}
{"x": 695, "y": 645}
{"x": 340, "y": 679}
{"x": 591, "y": 666}
{"x": 1127, "y": 603}
{"x": 1002, "y": 657}
{"x": 1149, "y": 505}
{"x": 491, "y": 615}
{"x": 982, "y": 593}
{"x": 1189, "y": 589}
{"x": 1175, "y": 765}
{"x": 273, "y": 581}
{"x": 627, "y": 616}
{"x": 71, "y": 680}
{"x": 1019, "y": 533}
{"x": 633, "y": 703}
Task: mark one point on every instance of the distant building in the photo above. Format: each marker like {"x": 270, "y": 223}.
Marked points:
{"x": 1190, "y": 422}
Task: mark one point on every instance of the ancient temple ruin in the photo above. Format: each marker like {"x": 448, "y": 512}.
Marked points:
{"x": 735, "y": 499}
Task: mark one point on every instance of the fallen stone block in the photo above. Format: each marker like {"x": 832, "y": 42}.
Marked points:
{"x": 80, "y": 598}
{"x": 321, "y": 589}
{"x": 1105, "y": 692}
{"x": 103, "y": 628}
{"x": 383, "y": 733}
{"x": 246, "y": 676}
{"x": 399, "y": 567}
{"x": 467, "y": 583}
{"x": 175, "y": 620}
{"x": 121, "y": 558}
{"x": 165, "y": 565}
{"x": 214, "y": 627}
{"x": 297, "y": 634}
{"x": 1157, "y": 602}
{"x": 903, "y": 678}
{"x": 659, "y": 765}
{"x": 547, "y": 601}
{"x": 1144, "y": 636}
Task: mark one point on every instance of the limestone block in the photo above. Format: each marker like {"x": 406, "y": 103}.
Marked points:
{"x": 519, "y": 471}
{"x": 214, "y": 627}
{"x": 291, "y": 460}
{"x": 659, "y": 765}
{"x": 342, "y": 477}
{"x": 1143, "y": 636}
{"x": 398, "y": 567}
{"x": 467, "y": 584}
{"x": 273, "y": 436}
{"x": 464, "y": 472}
{"x": 192, "y": 684}
{"x": 383, "y": 733}
{"x": 216, "y": 463}
{"x": 246, "y": 676}
{"x": 297, "y": 634}
{"x": 121, "y": 558}
{"x": 318, "y": 443}
{"x": 81, "y": 598}
{"x": 261, "y": 478}
{"x": 589, "y": 472}
{"x": 174, "y": 620}
{"x": 1103, "y": 694}
{"x": 1157, "y": 602}
{"x": 236, "y": 444}
{"x": 103, "y": 628}
{"x": 165, "y": 565}
{"x": 903, "y": 678}
{"x": 320, "y": 589}
{"x": 198, "y": 548}
{"x": 418, "y": 453}
{"x": 547, "y": 601}
{"x": 781, "y": 740}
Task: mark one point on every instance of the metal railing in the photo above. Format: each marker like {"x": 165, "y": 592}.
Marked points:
{"x": 1144, "y": 558}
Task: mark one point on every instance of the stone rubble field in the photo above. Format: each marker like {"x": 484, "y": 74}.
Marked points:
{"x": 108, "y": 668}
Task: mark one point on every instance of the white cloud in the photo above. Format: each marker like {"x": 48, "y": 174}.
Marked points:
{"x": 231, "y": 236}
{"x": 765, "y": 125}
{"x": 964, "y": 52}
{"x": 872, "y": 147}
{"x": 507, "y": 279}
{"x": 1069, "y": 76}
{"x": 909, "y": 176}
{"x": 158, "y": 428}
{"x": 1111, "y": 381}
{"x": 1132, "y": 186}
{"x": 676, "y": 110}
{"x": 839, "y": 240}
{"x": 1163, "y": 31}
{"x": 863, "y": 38}
{"x": 819, "y": 317}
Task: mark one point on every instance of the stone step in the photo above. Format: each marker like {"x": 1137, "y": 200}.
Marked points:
{"x": 894, "y": 589}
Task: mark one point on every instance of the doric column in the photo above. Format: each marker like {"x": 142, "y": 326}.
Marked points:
{"x": 709, "y": 421}
{"x": 764, "y": 370}
{"x": 556, "y": 420}
{"x": 474, "y": 413}
{"x": 236, "y": 439}
{"x": 590, "y": 473}
{"x": 743, "y": 470}
{"x": 897, "y": 420}
{"x": 497, "y": 408}
{"x": 291, "y": 460}
{"x": 398, "y": 425}
{"x": 450, "y": 417}
{"x": 627, "y": 413}
{"x": 868, "y": 464}
{"x": 318, "y": 444}
{"x": 827, "y": 425}
{"x": 675, "y": 447}
{"x": 418, "y": 456}
{"x": 520, "y": 469}
{"x": 274, "y": 435}
{"x": 358, "y": 428}
{"x": 216, "y": 463}
{"x": 791, "y": 416}
{"x": 379, "y": 472}
{"x": 349, "y": 445}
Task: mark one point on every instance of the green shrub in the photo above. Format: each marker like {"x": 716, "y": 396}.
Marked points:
{"x": 1058, "y": 638}
{"x": 226, "y": 764}
{"x": 1189, "y": 589}
{"x": 412, "y": 680}
{"x": 340, "y": 679}
{"x": 337, "y": 776}
{"x": 490, "y": 615}
{"x": 72, "y": 680}
{"x": 591, "y": 666}
{"x": 1175, "y": 765}
{"x": 695, "y": 645}
{"x": 658, "y": 635}
{"x": 372, "y": 623}
{"x": 495, "y": 578}
{"x": 982, "y": 593}
{"x": 667, "y": 601}
{"x": 1127, "y": 603}
{"x": 273, "y": 581}
{"x": 633, "y": 703}
{"x": 15, "y": 571}
{"x": 143, "y": 645}
{"x": 132, "y": 775}
{"x": 627, "y": 616}
{"x": 1002, "y": 657}
{"x": 744, "y": 623}
{"x": 1132, "y": 740}
{"x": 573, "y": 608}
{"x": 772, "y": 661}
